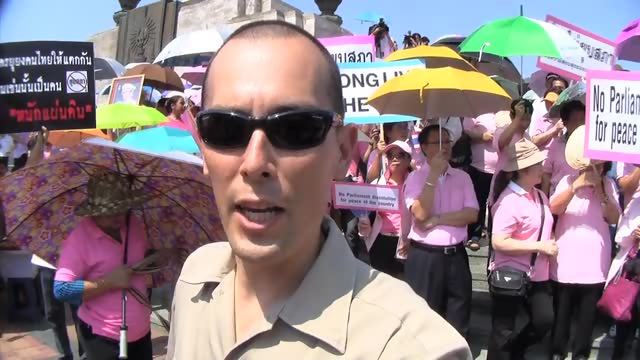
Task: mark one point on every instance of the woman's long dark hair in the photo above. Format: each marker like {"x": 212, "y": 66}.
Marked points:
{"x": 503, "y": 178}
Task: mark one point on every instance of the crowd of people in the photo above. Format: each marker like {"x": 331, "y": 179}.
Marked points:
{"x": 515, "y": 177}
{"x": 285, "y": 284}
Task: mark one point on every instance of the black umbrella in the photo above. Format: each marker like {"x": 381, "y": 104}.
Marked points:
{"x": 107, "y": 68}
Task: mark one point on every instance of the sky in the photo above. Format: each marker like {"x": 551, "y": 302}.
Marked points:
{"x": 22, "y": 20}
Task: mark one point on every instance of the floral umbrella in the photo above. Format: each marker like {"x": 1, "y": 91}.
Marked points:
{"x": 39, "y": 200}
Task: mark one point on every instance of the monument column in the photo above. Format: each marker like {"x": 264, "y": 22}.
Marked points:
{"x": 328, "y": 10}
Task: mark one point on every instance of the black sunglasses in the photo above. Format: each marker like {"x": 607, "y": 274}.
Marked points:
{"x": 289, "y": 130}
{"x": 399, "y": 156}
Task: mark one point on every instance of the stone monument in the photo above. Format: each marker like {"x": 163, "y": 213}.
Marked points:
{"x": 142, "y": 32}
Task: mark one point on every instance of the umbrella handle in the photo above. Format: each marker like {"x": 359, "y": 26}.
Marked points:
{"x": 123, "y": 327}
{"x": 123, "y": 344}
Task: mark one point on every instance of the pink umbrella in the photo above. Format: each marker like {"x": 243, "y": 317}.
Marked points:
{"x": 628, "y": 42}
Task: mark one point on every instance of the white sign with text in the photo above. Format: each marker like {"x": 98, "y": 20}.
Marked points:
{"x": 613, "y": 116}
{"x": 366, "y": 197}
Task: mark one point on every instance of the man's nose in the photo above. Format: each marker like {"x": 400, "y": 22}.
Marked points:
{"x": 259, "y": 158}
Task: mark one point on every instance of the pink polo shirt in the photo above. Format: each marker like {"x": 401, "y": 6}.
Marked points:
{"x": 484, "y": 156}
{"x": 89, "y": 254}
{"x": 541, "y": 125}
{"x": 556, "y": 163}
{"x": 583, "y": 237}
{"x": 454, "y": 192}
{"x": 516, "y": 214}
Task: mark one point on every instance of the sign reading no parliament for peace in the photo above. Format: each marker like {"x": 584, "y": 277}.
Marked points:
{"x": 360, "y": 80}
{"x": 613, "y": 116}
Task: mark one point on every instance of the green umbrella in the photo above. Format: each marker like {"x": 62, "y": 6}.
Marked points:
{"x": 122, "y": 116}
{"x": 522, "y": 36}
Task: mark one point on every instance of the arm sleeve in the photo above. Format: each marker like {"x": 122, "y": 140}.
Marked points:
{"x": 468, "y": 123}
{"x": 69, "y": 291}
{"x": 470, "y": 199}
{"x": 562, "y": 185}
{"x": 412, "y": 188}
{"x": 72, "y": 262}
{"x": 504, "y": 221}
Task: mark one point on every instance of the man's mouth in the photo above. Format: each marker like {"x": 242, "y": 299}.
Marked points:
{"x": 259, "y": 215}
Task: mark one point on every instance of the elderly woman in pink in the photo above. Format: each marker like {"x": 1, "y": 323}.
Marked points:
{"x": 381, "y": 238}
{"x": 521, "y": 235}
{"x": 586, "y": 204}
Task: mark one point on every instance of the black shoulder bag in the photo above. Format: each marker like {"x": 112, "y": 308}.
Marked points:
{"x": 507, "y": 281}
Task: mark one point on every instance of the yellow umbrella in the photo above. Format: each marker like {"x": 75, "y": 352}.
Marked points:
{"x": 440, "y": 92}
{"x": 435, "y": 57}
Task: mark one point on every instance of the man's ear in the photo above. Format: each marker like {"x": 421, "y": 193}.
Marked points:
{"x": 347, "y": 137}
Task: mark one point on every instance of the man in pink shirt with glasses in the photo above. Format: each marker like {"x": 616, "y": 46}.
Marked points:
{"x": 442, "y": 203}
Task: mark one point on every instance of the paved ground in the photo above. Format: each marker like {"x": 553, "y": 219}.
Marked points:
{"x": 33, "y": 341}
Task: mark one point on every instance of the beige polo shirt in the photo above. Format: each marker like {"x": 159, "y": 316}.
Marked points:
{"x": 342, "y": 309}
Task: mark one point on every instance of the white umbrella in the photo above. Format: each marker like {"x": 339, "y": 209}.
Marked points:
{"x": 191, "y": 47}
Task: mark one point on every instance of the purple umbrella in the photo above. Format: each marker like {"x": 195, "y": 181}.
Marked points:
{"x": 628, "y": 42}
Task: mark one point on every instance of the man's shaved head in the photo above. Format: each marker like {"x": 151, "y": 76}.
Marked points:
{"x": 275, "y": 29}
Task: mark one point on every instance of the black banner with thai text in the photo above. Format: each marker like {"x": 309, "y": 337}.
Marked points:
{"x": 46, "y": 83}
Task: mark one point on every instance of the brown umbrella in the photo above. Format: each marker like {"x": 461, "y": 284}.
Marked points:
{"x": 490, "y": 64}
{"x": 157, "y": 76}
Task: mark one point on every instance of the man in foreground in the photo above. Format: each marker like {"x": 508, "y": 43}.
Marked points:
{"x": 286, "y": 286}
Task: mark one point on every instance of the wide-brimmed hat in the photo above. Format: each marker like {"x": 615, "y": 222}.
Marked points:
{"x": 522, "y": 155}
{"x": 398, "y": 144}
{"x": 110, "y": 193}
{"x": 574, "y": 150}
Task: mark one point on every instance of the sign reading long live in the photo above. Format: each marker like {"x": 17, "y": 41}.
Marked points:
{"x": 360, "y": 80}
{"x": 366, "y": 197}
{"x": 613, "y": 116}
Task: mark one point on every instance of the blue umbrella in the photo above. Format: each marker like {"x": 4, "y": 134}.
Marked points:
{"x": 161, "y": 139}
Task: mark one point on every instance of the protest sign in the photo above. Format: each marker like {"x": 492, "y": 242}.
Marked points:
{"x": 613, "y": 116}
{"x": 46, "y": 83}
{"x": 351, "y": 49}
{"x": 359, "y": 81}
{"x": 366, "y": 197}
{"x": 600, "y": 52}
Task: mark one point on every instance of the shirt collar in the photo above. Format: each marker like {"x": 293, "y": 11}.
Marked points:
{"x": 517, "y": 189}
{"x": 322, "y": 314}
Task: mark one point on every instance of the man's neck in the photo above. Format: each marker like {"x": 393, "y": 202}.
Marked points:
{"x": 259, "y": 287}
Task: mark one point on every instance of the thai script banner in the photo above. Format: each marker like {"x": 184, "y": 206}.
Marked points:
{"x": 350, "y": 49}
{"x": 600, "y": 52}
{"x": 46, "y": 83}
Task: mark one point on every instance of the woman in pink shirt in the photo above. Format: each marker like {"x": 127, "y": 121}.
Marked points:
{"x": 586, "y": 204}
{"x": 520, "y": 236}
{"x": 91, "y": 272}
{"x": 382, "y": 237}
{"x": 398, "y": 131}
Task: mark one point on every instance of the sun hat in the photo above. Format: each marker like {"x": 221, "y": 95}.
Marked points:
{"x": 522, "y": 155}
{"x": 574, "y": 150}
{"x": 398, "y": 144}
{"x": 110, "y": 193}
